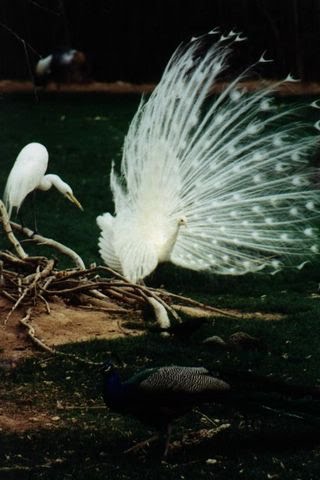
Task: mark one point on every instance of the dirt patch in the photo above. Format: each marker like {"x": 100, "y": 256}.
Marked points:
{"x": 25, "y": 419}
{"x": 69, "y": 324}
{"x": 64, "y": 324}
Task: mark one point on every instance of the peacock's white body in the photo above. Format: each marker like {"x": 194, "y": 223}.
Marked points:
{"x": 223, "y": 186}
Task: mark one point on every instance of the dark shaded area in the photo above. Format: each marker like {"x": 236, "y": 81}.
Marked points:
{"x": 132, "y": 41}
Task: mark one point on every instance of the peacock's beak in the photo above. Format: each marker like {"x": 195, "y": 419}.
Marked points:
{"x": 74, "y": 200}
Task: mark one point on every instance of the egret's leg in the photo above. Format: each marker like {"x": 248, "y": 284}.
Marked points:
{"x": 20, "y": 217}
{"x": 33, "y": 200}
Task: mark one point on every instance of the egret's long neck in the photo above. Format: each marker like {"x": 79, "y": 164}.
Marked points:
{"x": 52, "y": 180}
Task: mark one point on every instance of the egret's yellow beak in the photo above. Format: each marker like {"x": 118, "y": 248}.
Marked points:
{"x": 73, "y": 199}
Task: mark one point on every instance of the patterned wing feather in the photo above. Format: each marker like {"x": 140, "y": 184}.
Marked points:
{"x": 188, "y": 380}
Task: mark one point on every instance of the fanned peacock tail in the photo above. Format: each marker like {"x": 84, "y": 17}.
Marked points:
{"x": 236, "y": 169}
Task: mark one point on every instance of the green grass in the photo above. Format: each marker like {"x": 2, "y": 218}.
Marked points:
{"x": 90, "y": 443}
{"x": 83, "y": 135}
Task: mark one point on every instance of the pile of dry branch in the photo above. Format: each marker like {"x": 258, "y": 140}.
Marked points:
{"x": 27, "y": 281}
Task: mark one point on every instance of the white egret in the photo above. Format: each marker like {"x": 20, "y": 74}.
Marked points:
{"x": 221, "y": 186}
{"x": 28, "y": 174}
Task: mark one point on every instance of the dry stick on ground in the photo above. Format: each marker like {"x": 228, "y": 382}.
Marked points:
{"x": 7, "y": 228}
{"x": 37, "y": 276}
{"x": 156, "y": 292}
{"x": 199, "y": 304}
{"x": 144, "y": 292}
{"x": 31, "y": 334}
{"x": 2, "y": 282}
{"x": 122, "y": 289}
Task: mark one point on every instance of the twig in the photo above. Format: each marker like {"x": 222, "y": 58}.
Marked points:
{"x": 32, "y": 335}
{"x": 11, "y": 258}
{"x": 31, "y": 332}
{"x": 46, "y": 304}
{"x": 103, "y": 309}
{"x": 8, "y": 295}
{"x": 38, "y": 275}
{"x": 200, "y": 305}
{"x": 7, "y": 228}
{"x": 15, "y": 306}
{"x": 144, "y": 443}
{"x": 309, "y": 419}
{"x": 196, "y": 410}
{"x": 52, "y": 243}
{"x": 2, "y": 282}
{"x": 82, "y": 407}
{"x": 3, "y": 25}
{"x": 166, "y": 306}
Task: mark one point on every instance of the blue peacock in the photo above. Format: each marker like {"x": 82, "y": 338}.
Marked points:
{"x": 157, "y": 396}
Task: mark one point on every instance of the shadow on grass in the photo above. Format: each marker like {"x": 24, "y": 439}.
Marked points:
{"x": 98, "y": 453}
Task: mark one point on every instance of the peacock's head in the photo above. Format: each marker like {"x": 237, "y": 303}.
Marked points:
{"x": 107, "y": 368}
{"x": 182, "y": 221}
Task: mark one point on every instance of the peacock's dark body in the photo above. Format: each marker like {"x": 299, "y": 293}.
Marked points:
{"x": 157, "y": 396}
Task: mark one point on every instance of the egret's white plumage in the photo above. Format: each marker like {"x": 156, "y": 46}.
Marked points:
{"x": 28, "y": 174}
{"x": 224, "y": 188}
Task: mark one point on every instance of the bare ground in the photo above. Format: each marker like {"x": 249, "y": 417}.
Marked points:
{"x": 288, "y": 88}
{"x": 64, "y": 324}
{"x": 69, "y": 324}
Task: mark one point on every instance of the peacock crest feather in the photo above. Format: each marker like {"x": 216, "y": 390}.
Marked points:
{"x": 222, "y": 186}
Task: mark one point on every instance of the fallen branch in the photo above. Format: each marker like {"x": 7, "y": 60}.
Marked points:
{"x": 25, "y": 321}
{"x": 40, "y": 240}
{"x": 7, "y": 228}
{"x": 35, "y": 278}
{"x": 194, "y": 303}
{"x": 31, "y": 332}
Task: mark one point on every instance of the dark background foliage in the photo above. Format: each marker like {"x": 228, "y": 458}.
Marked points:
{"x": 132, "y": 41}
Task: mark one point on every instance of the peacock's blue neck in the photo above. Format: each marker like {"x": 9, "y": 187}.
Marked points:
{"x": 113, "y": 388}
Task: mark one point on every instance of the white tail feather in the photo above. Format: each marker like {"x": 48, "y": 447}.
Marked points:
{"x": 236, "y": 171}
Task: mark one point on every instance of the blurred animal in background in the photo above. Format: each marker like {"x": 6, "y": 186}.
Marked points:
{"x": 157, "y": 396}
{"x": 220, "y": 185}
{"x": 28, "y": 174}
{"x": 62, "y": 66}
